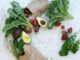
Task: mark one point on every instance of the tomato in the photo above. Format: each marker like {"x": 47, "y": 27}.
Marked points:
{"x": 64, "y": 36}
{"x": 29, "y": 30}
{"x": 70, "y": 30}
{"x": 57, "y": 23}
{"x": 62, "y": 27}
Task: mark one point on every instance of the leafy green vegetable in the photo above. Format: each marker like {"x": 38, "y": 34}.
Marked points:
{"x": 57, "y": 11}
{"x": 16, "y": 18}
{"x": 20, "y": 43}
{"x": 20, "y": 51}
{"x": 8, "y": 32}
{"x": 20, "y": 47}
{"x": 15, "y": 42}
{"x": 63, "y": 52}
{"x": 17, "y": 48}
{"x": 67, "y": 46}
{"x": 15, "y": 23}
{"x": 75, "y": 47}
{"x": 14, "y": 50}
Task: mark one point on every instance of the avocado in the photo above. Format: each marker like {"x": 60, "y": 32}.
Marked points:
{"x": 41, "y": 22}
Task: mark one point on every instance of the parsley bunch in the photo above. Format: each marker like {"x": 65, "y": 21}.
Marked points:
{"x": 57, "y": 11}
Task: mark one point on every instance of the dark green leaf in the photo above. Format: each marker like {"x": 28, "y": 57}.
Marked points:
{"x": 15, "y": 42}
{"x": 75, "y": 47}
{"x": 21, "y": 43}
{"x": 67, "y": 46}
{"x": 63, "y": 52}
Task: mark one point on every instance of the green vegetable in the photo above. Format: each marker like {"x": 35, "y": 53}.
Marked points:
{"x": 63, "y": 52}
{"x": 16, "y": 18}
{"x": 57, "y": 11}
{"x": 20, "y": 47}
{"x": 14, "y": 50}
{"x": 75, "y": 47}
{"x": 20, "y": 43}
{"x": 20, "y": 51}
{"x": 67, "y": 46}
{"x": 15, "y": 42}
{"x": 8, "y": 32}
{"x": 17, "y": 48}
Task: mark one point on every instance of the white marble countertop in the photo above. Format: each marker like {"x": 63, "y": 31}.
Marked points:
{"x": 47, "y": 41}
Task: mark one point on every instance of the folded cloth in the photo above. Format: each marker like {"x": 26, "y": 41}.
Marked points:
{"x": 31, "y": 53}
{"x": 37, "y": 7}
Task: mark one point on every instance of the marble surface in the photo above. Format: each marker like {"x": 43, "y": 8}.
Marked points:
{"x": 48, "y": 42}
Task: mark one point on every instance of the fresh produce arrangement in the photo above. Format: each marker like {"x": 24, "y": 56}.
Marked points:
{"x": 19, "y": 25}
{"x": 70, "y": 45}
{"x": 70, "y": 42}
{"x": 67, "y": 46}
{"x": 16, "y": 18}
{"x": 57, "y": 11}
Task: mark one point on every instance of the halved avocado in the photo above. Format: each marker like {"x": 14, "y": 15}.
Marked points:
{"x": 26, "y": 38}
{"x": 41, "y": 22}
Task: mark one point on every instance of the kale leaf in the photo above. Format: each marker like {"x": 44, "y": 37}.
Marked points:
{"x": 16, "y": 18}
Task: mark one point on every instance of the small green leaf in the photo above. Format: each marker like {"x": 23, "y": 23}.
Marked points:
{"x": 63, "y": 52}
{"x": 75, "y": 47}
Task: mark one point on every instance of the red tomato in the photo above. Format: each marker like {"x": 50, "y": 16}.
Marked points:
{"x": 62, "y": 27}
{"x": 64, "y": 36}
{"x": 29, "y": 30}
{"x": 36, "y": 29}
{"x": 57, "y": 23}
{"x": 70, "y": 30}
{"x": 35, "y": 22}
